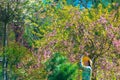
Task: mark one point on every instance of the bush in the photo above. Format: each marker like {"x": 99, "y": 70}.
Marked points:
{"x": 59, "y": 68}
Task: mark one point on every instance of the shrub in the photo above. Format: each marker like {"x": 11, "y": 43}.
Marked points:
{"x": 59, "y": 68}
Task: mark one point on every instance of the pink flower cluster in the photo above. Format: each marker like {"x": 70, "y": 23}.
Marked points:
{"x": 102, "y": 20}
{"x": 106, "y": 65}
{"x": 47, "y": 53}
{"x": 110, "y": 31}
{"x": 116, "y": 43}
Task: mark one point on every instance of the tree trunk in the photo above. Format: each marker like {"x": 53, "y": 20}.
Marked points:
{"x": 94, "y": 71}
{"x": 5, "y": 77}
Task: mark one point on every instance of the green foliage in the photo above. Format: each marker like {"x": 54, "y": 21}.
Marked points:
{"x": 15, "y": 53}
{"x": 19, "y": 59}
{"x": 59, "y": 68}
{"x": 56, "y": 26}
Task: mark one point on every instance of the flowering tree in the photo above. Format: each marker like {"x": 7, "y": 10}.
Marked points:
{"x": 73, "y": 32}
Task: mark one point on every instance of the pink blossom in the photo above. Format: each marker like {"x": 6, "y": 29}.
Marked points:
{"x": 110, "y": 35}
{"x": 47, "y": 53}
{"x": 102, "y": 20}
{"x": 65, "y": 43}
{"x": 111, "y": 27}
{"x": 81, "y": 47}
{"x": 116, "y": 44}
